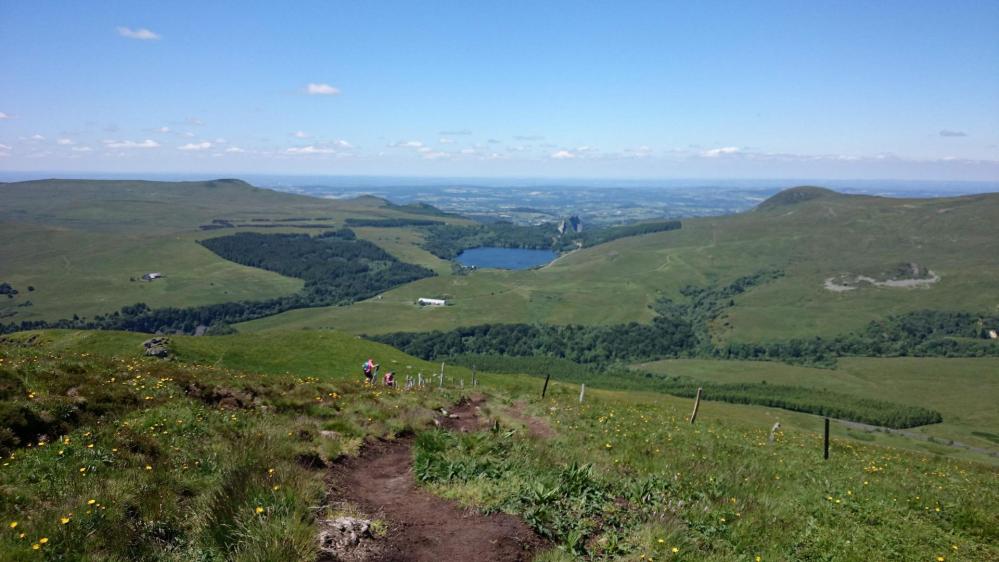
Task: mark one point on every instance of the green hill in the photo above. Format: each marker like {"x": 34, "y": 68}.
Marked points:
{"x": 796, "y": 195}
{"x": 83, "y": 245}
{"x": 816, "y": 237}
{"x": 221, "y": 453}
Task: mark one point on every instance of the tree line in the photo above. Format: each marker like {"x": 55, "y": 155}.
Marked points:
{"x": 681, "y": 329}
{"x": 795, "y": 398}
{"x": 446, "y": 241}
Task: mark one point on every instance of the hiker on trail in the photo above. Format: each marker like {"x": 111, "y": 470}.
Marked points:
{"x": 390, "y": 378}
{"x": 369, "y": 369}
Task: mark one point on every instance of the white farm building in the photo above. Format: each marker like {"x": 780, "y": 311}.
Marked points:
{"x": 431, "y": 302}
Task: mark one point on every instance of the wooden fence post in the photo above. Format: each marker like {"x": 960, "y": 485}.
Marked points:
{"x": 475, "y": 381}
{"x": 825, "y": 442}
{"x": 442, "y": 374}
{"x": 544, "y": 389}
{"x": 582, "y": 391}
{"x": 697, "y": 403}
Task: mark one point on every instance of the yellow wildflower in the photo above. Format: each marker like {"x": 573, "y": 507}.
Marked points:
{"x": 259, "y": 509}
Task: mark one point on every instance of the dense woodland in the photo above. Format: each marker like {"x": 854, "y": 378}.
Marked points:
{"x": 337, "y": 269}
{"x": 447, "y": 241}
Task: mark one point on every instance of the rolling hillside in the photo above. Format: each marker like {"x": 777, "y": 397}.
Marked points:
{"x": 225, "y": 452}
{"x": 812, "y": 235}
{"x": 83, "y": 244}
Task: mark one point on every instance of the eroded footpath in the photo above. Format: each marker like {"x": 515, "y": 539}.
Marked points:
{"x": 422, "y": 526}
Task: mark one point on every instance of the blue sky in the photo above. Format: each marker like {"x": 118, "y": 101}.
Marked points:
{"x": 887, "y": 89}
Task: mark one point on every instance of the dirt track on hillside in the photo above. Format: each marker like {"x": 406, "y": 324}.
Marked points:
{"x": 422, "y": 526}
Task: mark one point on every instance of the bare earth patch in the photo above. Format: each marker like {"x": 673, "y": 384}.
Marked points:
{"x": 536, "y": 426}
{"x": 421, "y": 526}
{"x": 906, "y": 276}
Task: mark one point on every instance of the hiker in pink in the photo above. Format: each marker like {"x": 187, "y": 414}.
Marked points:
{"x": 390, "y": 378}
{"x": 369, "y": 370}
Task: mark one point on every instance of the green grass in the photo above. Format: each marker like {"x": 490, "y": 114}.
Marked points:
{"x": 79, "y": 242}
{"x": 148, "y": 463}
{"x": 964, "y": 390}
{"x": 810, "y": 241}
{"x": 627, "y": 478}
{"x": 404, "y": 244}
{"x": 88, "y": 273}
{"x": 623, "y": 476}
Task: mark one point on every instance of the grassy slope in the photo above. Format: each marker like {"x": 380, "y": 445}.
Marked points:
{"x": 719, "y": 491}
{"x": 965, "y": 391}
{"x": 810, "y": 240}
{"x": 88, "y": 273}
{"x": 174, "y": 477}
{"x": 78, "y": 243}
{"x": 715, "y": 491}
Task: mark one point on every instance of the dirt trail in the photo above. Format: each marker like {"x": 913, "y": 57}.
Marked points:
{"x": 536, "y": 426}
{"x": 422, "y": 526}
{"x": 463, "y": 416}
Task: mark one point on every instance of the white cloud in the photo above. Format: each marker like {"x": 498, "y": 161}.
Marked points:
{"x": 468, "y": 151}
{"x": 148, "y": 143}
{"x": 455, "y": 132}
{"x": 196, "y": 146}
{"x": 952, "y": 133}
{"x": 163, "y": 129}
{"x": 314, "y": 89}
{"x": 563, "y": 155}
{"x": 639, "y": 152}
{"x": 81, "y": 149}
{"x": 408, "y": 144}
{"x": 65, "y": 142}
{"x": 140, "y": 33}
{"x": 4, "y": 116}
{"x": 6, "y": 147}
{"x": 301, "y": 135}
{"x": 343, "y": 144}
{"x": 234, "y": 150}
{"x": 37, "y": 137}
{"x": 434, "y": 155}
{"x": 446, "y": 141}
{"x": 195, "y": 121}
{"x": 723, "y": 151}
{"x": 311, "y": 149}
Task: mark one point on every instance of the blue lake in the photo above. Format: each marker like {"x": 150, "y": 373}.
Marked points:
{"x": 505, "y": 258}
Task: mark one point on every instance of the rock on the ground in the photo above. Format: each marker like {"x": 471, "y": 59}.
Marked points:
{"x": 157, "y": 347}
{"x": 345, "y": 538}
